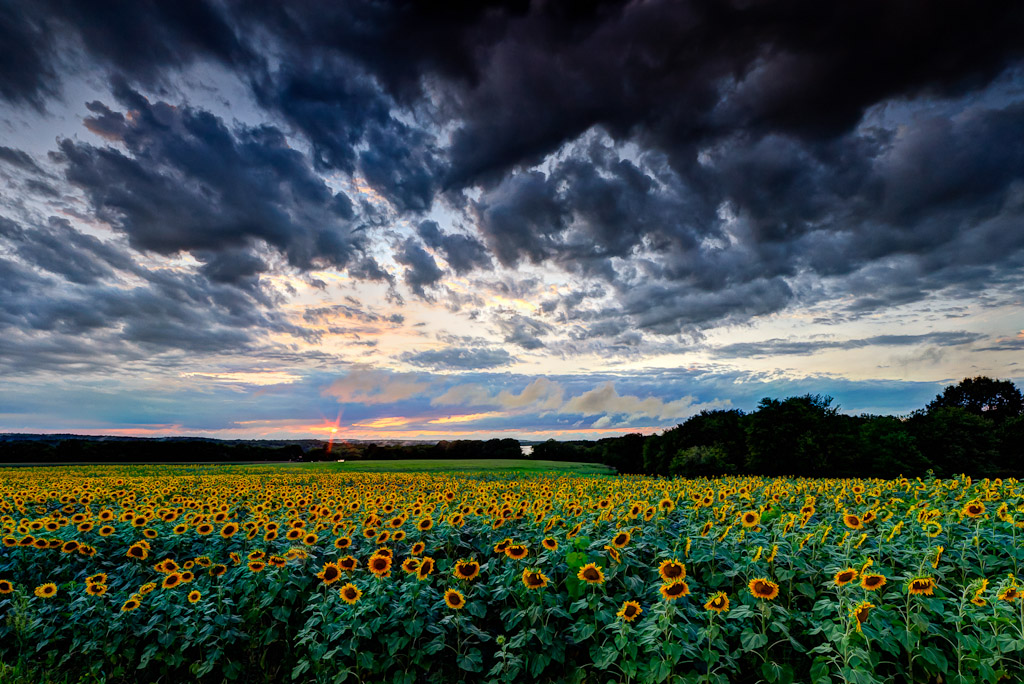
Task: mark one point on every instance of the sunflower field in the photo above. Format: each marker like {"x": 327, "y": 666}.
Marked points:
{"x": 261, "y": 574}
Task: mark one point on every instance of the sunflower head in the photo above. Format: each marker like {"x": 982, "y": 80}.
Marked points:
{"x": 1010, "y": 594}
{"x": 330, "y": 573}
{"x": 47, "y": 590}
{"x": 591, "y": 573}
{"x": 467, "y": 570}
{"x": 380, "y": 566}
{"x": 533, "y": 578}
{"x": 763, "y": 588}
{"x": 860, "y": 613}
{"x": 96, "y": 589}
{"x": 924, "y": 586}
{"x": 718, "y": 603}
{"x": 218, "y": 570}
{"x": 170, "y": 581}
{"x": 256, "y": 566}
{"x": 751, "y": 519}
{"x": 872, "y": 582}
{"x": 630, "y": 611}
{"x": 6, "y": 586}
{"x": 672, "y": 571}
{"x": 348, "y": 563}
{"x": 673, "y": 590}
{"x": 620, "y": 540}
{"x": 130, "y": 605}
{"x": 417, "y": 548}
{"x": 853, "y": 521}
{"x": 516, "y": 551}
{"x": 427, "y": 567}
{"x": 194, "y": 596}
{"x": 454, "y": 599}
{"x": 550, "y": 543}
{"x": 845, "y": 576}
{"x": 410, "y": 565}
{"x": 350, "y": 593}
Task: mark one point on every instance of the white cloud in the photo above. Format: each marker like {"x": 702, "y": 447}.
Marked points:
{"x": 375, "y": 387}
{"x": 605, "y": 400}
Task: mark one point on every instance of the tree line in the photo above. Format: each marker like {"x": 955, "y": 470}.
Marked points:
{"x": 974, "y": 427}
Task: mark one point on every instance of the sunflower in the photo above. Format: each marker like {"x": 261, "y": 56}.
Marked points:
{"x": 1010, "y": 594}
{"x": 380, "y": 566}
{"x": 293, "y": 534}
{"x": 147, "y": 588}
{"x": 136, "y": 551}
{"x": 69, "y": 546}
{"x": 719, "y": 603}
{"x": 425, "y": 524}
{"x": 922, "y": 585}
{"x": 204, "y": 529}
{"x": 872, "y": 582}
{"x": 751, "y": 519}
{"x": 591, "y": 573}
{"x": 6, "y": 586}
{"x": 533, "y": 578}
{"x": 194, "y": 596}
{"x": 130, "y": 605}
{"x": 170, "y": 581}
{"x": 342, "y": 542}
{"x": 203, "y": 561}
{"x": 309, "y": 539}
{"x": 228, "y": 531}
{"x": 516, "y": 551}
{"x": 853, "y": 522}
{"x": 672, "y": 571}
{"x": 98, "y": 578}
{"x": 96, "y": 589}
{"x": 330, "y": 573}
{"x": 614, "y": 553}
{"x": 427, "y": 566}
{"x": 500, "y": 547}
{"x": 46, "y": 590}
{"x": 348, "y": 563}
{"x": 417, "y": 548}
{"x": 932, "y": 529}
{"x": 466, "y": 570}
{"x": 178, "y": 529}
{"x": 667, "y": 505}
{"x": 350, "y": 593}
{"x": 860, "y": 613}
{"x": 218, "y": 570}
{"x": 974, "y": 509}
{"x": 574, "y": 531}
{"x": 844, "y": 577}
{"x": 630, "y": 611}
{"x": 410, "y": 565}
{"x": 620, "y": 540}
{"x": 979, "y": 601}
{"x": 550, "y": 543}
{"x": 256, "y": 566}
{"x": 454, "y": 599}
{"x": 763, "y": 588}
{"x": 674, "y": 590}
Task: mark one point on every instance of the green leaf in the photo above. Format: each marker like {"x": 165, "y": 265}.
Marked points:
{"x": 752, "y": 640}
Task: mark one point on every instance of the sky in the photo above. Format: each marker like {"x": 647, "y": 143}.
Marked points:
{"x": 408, "y": 220}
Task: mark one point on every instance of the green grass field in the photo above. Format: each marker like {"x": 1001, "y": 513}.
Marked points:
{"x": 467, "y": 465}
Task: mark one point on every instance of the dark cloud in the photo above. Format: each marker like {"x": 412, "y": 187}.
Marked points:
{"x": 781, "y": 347}
{"x": 26, "y": 73}
{"x": 421, "y": 270}
{"x": 700, "y": 161}
{"x": 462, "y": 252}
{"x": 60, "y": 249}
{"x": 524, "y": 331}
{"x": 19, "y": 159}
{"x": 458, "y": 358}
{"x": 189, "y": 183}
